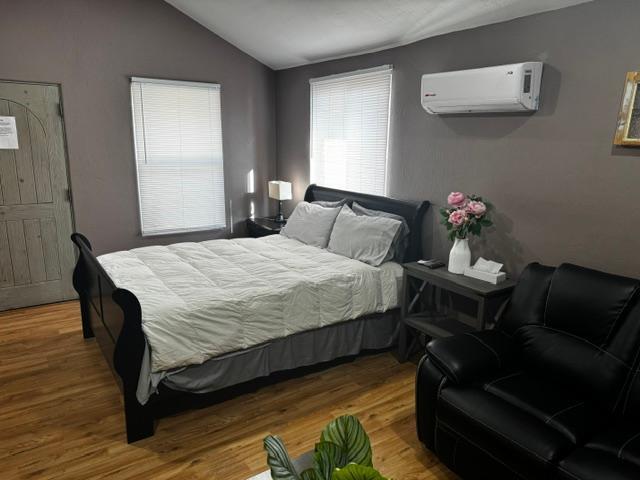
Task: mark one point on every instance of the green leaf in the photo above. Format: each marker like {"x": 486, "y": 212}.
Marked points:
{"x": 357, "y": 472}
{"x": 328, "y": 456}
{"x": 347, "y": 432}
{"x": 309, "y": 474}
{"x": 485, "y": 222}
{"x": 279, "y": 461}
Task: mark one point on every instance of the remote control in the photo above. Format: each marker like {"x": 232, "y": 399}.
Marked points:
{"x": 432, "y": 263}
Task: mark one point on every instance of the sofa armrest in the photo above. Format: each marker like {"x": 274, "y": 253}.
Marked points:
{"x": 470, "y": 356}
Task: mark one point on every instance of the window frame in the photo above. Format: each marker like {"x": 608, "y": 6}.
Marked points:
{"x": 181, "y": 231}
{"x": 355, "y": 73}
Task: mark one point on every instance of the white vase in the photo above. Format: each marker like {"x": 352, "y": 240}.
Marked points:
{"x": 460, "y": 256}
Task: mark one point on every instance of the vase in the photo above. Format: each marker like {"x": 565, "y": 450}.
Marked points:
{"x": 460, "y": 256}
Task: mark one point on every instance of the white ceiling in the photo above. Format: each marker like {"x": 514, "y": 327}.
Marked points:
{"x": 288, "y": 33}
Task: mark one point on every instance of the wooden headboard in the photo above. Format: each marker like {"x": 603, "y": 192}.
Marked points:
{"x": 412, "y": 211}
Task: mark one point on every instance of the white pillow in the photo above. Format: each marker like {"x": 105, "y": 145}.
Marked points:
{"x": 363, "y": 238}
{"x": 311, "y": 224}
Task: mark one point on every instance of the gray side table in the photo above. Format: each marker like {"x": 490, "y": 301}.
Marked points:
{"x": 424, "y": 311}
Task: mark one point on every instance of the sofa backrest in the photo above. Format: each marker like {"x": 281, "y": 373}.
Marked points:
{"x": 577, "y": 327}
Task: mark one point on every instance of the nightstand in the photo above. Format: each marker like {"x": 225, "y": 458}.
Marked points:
{"x": 263, "y": 226}
{"x": 424, "y": 312}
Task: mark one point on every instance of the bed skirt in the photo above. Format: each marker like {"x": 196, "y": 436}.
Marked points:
{"x": 372, "y": 332}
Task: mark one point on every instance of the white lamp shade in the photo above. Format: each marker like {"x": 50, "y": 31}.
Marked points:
{"x": 280, "y": 190}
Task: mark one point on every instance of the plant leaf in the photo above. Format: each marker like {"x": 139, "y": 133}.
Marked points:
{"x": 357, "y": 472}
{"x": 309, "y": 474}
{"x": 278, "y": 460}
{"x": 347, "y": 432}
{"x": 328, "y": 456}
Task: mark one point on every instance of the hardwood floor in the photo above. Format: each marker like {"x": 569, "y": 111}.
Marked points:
{"x": 61, "y": 417}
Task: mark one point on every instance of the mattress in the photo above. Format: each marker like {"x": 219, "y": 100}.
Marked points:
{"x": 203, "y": 300}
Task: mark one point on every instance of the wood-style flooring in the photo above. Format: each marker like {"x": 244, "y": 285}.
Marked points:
{"x": 61, "y": 416}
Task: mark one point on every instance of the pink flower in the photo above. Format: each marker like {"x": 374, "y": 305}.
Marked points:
{"x": 476, "y": 208}
{"x": 457, "y": 199}
{"x": 457, "y": 217}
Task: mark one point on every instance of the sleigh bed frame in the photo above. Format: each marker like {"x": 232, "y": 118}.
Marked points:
{"x": 114, "y": 317}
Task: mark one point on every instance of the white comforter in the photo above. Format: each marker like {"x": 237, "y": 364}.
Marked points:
{"x": 200, "y": 300}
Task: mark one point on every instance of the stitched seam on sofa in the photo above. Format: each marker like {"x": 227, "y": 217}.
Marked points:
{"x": 546, "y": 302}
{"x": 482, "y": 342}
{"x": 626, "y": 402}
{"x": 583, "y": 339}
{"x": 497, "y": 432}
{"x": 629, "y": 387}
{"x": 486, "y": 387}
{"x": 624, "y": 445}
{"x": 467, "y": 439}
{"x": 435, "y": 433}
{"x": 560, "y": 412}
{"x": 622, "y": 310}
{"x": 417, "y": 390}
{"x": 443, "y": 365}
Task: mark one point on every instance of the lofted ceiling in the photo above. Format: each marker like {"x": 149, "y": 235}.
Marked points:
{"x": 288, "y": 33}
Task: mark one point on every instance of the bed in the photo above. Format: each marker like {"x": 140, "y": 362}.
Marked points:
{"x": 205, "y": 335}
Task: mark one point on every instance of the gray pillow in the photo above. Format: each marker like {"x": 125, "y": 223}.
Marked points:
{"x": 311, "y": 224}
{"x": 364, "y": 238}
{"x": 328, "y": 204}
{"x": 401, "y": 242}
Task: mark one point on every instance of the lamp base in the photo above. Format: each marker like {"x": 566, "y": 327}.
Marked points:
{"x": 279, "y": 218}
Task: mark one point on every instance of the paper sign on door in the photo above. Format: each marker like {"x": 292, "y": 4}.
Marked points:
{"x": 8, "y": 133}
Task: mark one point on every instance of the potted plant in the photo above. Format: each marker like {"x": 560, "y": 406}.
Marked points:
{"x": 466, "y": 215}
{"x": 343, "y": 453}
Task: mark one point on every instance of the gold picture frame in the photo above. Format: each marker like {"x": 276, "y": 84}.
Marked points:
{"x": 628, "y": 128}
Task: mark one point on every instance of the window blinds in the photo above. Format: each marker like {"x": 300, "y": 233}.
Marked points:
{"x": 178, "y": 148}
{"x": 349, "y": 130}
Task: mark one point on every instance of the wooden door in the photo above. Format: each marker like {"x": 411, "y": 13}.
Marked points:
{"x": 36, "y": 256}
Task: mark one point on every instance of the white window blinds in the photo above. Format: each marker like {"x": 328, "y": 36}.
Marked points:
{"x": 178, "y": 147}
{"x": 349, "y": 130}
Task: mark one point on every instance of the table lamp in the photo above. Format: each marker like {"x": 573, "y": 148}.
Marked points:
{"x": 280, "y": 191}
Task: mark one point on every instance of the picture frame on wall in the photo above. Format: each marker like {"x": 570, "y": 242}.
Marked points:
{"x": 628, "y": 127}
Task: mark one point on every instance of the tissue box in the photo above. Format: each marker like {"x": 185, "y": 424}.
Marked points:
{"x": 494, "y": 278}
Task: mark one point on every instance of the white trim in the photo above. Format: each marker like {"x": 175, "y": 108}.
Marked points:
{"x": 387, "y": 161}
{"x": 353, "y": 73}
{"x": 176, "y": 82}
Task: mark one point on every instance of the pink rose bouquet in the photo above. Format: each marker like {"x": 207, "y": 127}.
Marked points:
{"x": 466, "y": 214}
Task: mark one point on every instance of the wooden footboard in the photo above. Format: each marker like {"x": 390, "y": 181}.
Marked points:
{"x": 112, "y": 315}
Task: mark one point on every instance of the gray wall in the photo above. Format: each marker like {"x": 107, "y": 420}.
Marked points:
{"x": 561, "y": 191}
{"x": 91, "y": 47}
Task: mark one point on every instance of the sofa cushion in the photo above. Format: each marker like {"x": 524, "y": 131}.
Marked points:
{"x": 611, "y": 454}
{"x": 588, "y": 303}
{"x": 529, "y": 299}
{"x": 567, "y": 359}
{"x": 560, "y": 408}
{"x": 588, "y": 464}
{"x": 519, "y": 439}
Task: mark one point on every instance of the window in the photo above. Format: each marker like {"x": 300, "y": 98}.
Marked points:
{"x": 349, "y": 130}
{"x": 178, "y": 147}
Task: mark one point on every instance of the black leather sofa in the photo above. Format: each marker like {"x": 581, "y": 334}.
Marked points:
{"x": 552, "y": 392}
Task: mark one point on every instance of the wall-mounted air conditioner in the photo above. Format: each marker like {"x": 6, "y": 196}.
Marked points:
{"x": 506, "y": 88}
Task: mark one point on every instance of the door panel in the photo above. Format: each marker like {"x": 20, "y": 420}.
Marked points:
{"x": 36, "y": 257}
